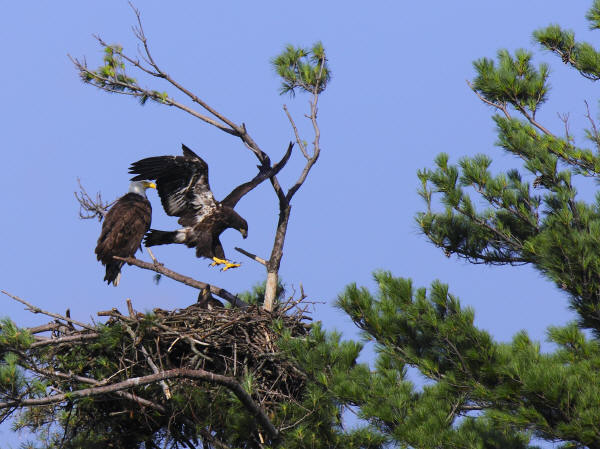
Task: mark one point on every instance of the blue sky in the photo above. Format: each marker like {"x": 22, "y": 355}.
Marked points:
{"x": 398, "y": 97}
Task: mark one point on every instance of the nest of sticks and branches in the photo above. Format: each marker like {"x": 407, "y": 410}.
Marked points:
{"x": 184, "y": 371}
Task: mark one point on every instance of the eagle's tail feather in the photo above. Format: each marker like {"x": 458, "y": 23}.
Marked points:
{"x": 155, "y": 237}
{"x": 113, "y": 272}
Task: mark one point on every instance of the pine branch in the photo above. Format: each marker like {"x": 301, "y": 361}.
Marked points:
{"x": 197, "y": 374}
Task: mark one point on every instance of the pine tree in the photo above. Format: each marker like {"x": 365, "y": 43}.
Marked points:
{"x": 481, "y": 393}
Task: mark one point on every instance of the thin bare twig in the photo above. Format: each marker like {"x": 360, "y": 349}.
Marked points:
{"x": 296, "y": 134}
{"x": 139, "y": 33}
{"x": 36, "y": 309}
{"x": 316, "y": 150}
{"x": 565, "y": 119}
{"x": 153, "y": 367}
{"x": 594, "y": 132}
{"x": 260, "y": 260}
{"x": 89, "y": 207}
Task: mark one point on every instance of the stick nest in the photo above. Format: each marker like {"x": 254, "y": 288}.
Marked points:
{"x": 239, "y": 344}
{"x": 231, "y": 342}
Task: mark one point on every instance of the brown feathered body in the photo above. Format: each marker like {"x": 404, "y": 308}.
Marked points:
{"x": 202, "y": 232}
{"x": 122, "y": 232}
{"x": 182, "y": 184}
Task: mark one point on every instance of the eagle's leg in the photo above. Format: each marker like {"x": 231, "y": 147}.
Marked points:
{"x": 228, "y": 265}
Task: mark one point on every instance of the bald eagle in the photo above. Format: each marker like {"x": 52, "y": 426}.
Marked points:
{"x": 182, "y": 184}
{"x": 123, "y": 229}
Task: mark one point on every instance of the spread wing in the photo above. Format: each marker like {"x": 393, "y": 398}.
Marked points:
{"x": 182, "y": 184}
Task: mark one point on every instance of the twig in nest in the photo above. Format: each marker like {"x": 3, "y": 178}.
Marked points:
{"x": 163, "y": 384}
{"x": 155, "y": 370}
{"x": 130, "y": 308}
{"x": 67, "y": 339}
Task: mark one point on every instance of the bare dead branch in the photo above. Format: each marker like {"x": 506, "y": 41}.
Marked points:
{"x": 139, "y": 33}
{"x": 594, "y": 131}
{"x": 316, "y": 150}
{"x": 89, "y": 207}
{"x": 67, "y": 339}
{"x": 43, "y": 328}
{"x": 264, "y": 173}
{"x": 276, "y": 254}
{"x": 296, "y": 134}
{"x": 35, "y": 309}
{"x": 565, "y": 119}
{"x": 260, "y": 260}
{"x": 130, "y": 308}
{"x": 159, "y": 268}
{"x": 229, "y": 127}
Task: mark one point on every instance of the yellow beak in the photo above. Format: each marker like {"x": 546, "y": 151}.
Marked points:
{"x": 150, "y": 185}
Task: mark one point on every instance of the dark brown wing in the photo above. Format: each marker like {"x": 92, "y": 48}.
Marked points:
{"x": 181, "y": 181}
{"x": 122, "y": 231}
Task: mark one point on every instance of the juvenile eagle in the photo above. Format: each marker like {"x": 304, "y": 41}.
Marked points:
{"x": 123, "y": 229}
{"x": 182, "y": 184}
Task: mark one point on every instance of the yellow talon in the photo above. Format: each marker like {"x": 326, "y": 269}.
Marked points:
{"x": 228, "y": 265}
{"x": 217, "y": 261}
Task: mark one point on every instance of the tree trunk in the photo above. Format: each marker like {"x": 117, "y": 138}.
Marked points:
{"x": 276, "y": 254}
